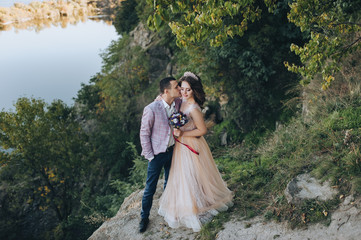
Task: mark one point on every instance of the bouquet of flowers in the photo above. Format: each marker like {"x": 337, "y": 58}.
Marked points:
{"x": 178, "y": 120}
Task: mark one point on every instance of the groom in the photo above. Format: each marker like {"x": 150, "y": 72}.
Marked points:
{"x": 157, "y": 141}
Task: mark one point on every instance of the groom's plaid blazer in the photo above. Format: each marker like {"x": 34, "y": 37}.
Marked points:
{"x": 155, "y": 130}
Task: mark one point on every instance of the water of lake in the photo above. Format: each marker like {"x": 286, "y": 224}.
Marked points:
{"x": 51, "y": 63}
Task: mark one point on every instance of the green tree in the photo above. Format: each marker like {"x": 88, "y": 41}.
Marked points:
{"x": 48, "y": 159}
{"x": 111, "y": 105}
{"x": 249, "y": 70}
{"x": 126, "y": 17}
{"x": 123, "y": 80}
{"x": 212, "y": 21}
{"x": 333, "y": 27}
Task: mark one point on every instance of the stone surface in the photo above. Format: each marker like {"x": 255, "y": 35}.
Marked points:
{"x": 345, "y": 225}
{"x": 124, "y": 226}
{"x": 141, "y": 36}
{"x": 159, "y": 56}
{"x": 224, "y": 138}
{"x": 345, "y": 222}
{"x": 306, "y": 187}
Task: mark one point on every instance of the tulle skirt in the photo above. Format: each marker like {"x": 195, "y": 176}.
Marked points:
{"x": 195, "y": 186}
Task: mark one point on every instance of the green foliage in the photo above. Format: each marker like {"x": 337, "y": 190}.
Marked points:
{"x": 48, "y": 158}
{"x": 48, "y": 144}
{"x": 138, "y": 172}
{"x": 247, "y": 74}
{"x": 317, "y": 211}
{"x": 211, "y": 21}
{"x": 348, "y": 118}
{"x": 209, "y": 230}
{"x": 143, "y": 10}
{"x": 126, "y": 18}
{"x": 110, "y": 104}
{"x": 74, "y": 228}
{"x": 325, "y": 146}
{"x": 124, "y": 74}
{"x": 110, "y": 108}
{"x": 356, "y": 182}
{"x": 333, "y": 27}
{"x": 238, "y": 48}
{"x": 88, "y": 98}
{"x": 108, "y": 204}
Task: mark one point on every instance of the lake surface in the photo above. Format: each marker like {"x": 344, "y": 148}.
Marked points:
{"x": 51, "y": 63}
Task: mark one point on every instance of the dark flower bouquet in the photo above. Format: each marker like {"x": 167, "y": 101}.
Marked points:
{"x": 178, "y": 120}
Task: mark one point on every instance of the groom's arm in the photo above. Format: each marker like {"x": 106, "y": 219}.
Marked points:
{"x": 146, "y": 128}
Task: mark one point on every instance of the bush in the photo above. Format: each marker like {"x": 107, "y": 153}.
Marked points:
{"x": 348, "y": 118}
{"x": 326, "y": 146}
{"x": 126, "y": 17}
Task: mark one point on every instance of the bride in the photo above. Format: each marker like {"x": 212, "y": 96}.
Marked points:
{"x": 195, "y": 187}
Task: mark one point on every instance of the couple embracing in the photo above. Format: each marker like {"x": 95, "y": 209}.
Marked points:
{"x": 193, "y": 186}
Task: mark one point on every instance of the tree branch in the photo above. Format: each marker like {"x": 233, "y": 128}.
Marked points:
{"x": 351, "y": 44}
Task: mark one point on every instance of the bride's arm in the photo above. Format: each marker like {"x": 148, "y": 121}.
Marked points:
{"x": 201, "y": 128}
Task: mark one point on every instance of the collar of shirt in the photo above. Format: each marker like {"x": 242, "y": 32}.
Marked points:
{"x": 166, "y": 106}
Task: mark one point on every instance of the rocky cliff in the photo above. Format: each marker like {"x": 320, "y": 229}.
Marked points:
{"x": 124, "y": 225}
{"x": 344, "y": 224}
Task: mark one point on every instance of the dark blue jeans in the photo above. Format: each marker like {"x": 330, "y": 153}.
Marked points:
{"x": 154, "y": 168}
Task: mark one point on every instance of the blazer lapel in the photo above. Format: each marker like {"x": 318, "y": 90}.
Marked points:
{"x": 163, "y": 111}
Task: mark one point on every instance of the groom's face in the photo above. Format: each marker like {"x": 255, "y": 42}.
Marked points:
{"x": 174, "y": 91}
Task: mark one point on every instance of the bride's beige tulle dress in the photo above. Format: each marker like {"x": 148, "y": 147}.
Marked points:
{"x": 195, "y": 186}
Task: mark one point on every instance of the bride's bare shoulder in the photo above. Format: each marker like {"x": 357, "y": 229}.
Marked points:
{"x": 194, "y": 108}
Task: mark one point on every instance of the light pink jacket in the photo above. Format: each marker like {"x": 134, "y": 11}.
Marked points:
{"x": 155, "y": 130}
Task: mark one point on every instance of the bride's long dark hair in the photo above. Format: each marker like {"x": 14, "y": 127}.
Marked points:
{"x": 197, "y": 87}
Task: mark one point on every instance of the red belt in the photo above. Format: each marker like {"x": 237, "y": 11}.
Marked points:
{"x": 189, "y": 147}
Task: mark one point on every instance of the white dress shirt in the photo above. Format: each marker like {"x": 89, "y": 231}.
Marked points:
{"x": 169, "y": 109}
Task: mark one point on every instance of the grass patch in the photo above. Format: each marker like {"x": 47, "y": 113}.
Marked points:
{"x": 327, "y": 147}
{"x": 325, "y": 143}
{"x": 209, "y": 231}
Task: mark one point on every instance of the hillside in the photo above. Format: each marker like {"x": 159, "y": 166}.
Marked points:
{"x": 282, "y": 82}
{"x": 299, "y": 181}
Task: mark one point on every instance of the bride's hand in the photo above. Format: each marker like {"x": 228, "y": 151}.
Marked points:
{"x": 177, "y": 132}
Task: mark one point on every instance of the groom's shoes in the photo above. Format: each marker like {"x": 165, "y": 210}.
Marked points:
{"x": 143, "y": 224}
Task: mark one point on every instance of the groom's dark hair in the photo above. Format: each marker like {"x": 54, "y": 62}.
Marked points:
{"x": 165, "y": 83}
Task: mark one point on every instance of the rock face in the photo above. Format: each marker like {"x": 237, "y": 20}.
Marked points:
{"x": 345, "y": 222}
{"x": 345, "y": 225}
{"x": 124, "y": 226}
{"x": 141, "y": 36}
{"x": 306, "y": 187}
{"x": 160, "y": 56}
